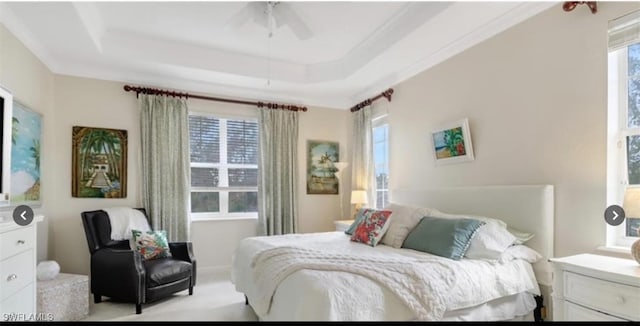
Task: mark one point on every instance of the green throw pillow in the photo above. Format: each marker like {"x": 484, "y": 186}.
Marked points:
{"x": 151, "y": 244}
{"x": 446, "y": 237}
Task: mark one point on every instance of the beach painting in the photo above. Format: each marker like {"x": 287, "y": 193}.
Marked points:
{"x": 26, "y": 132}
{"x": 452, "y": 143}
{"x": 99, "y": 163}
{"x": 321, "y": 177}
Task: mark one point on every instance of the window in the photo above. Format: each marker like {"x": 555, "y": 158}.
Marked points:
{"x": 381, "y": 160}
{"x": 224, "y": 166}
{"x": 623, "y": 152}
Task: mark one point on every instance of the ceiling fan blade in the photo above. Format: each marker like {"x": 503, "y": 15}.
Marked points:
{"x": 247, "y": 12}
{"x": 284, "y": 14}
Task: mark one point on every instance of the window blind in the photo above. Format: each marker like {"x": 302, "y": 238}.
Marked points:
{"x": 242, "y": 142}
{"x": 204, "y": 139}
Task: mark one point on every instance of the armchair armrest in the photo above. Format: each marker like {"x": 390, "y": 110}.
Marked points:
{"x": 118, "y": 273}
{"x": 182, "y": 251}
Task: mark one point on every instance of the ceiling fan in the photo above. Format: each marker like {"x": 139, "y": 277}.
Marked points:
{"x": 271, "y": 15}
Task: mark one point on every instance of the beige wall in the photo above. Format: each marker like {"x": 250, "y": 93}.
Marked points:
{"x": 536, "y": 99}
{"x": 317, "y": 212}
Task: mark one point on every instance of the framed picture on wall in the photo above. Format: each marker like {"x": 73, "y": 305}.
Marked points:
{"x": 26, "y": 130}
{"x": 321, "y": 178}
{"x": 99, "y": 163}
{"x": 451, "y": 143}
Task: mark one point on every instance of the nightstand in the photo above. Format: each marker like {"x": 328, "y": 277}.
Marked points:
{"x": 590, "y": 287}
{"x": 342, "y": 225}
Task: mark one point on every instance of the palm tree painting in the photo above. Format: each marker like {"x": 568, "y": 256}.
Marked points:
{"x": 99, "y": 163}
{"x": 321, "y": 156}
{"x": 25, "y": 155}
{"x": 453, "y": 143}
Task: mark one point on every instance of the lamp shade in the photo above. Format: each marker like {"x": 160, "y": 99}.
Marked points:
{"x": 631, "y": 203}
{"x": 359, "y": 197}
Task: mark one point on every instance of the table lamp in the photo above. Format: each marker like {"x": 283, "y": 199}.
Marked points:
{"x": 631, "y": 207}
{"x": 359, "y": 198}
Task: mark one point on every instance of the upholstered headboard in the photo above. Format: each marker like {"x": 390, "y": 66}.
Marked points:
{"x": 528, "y": 208}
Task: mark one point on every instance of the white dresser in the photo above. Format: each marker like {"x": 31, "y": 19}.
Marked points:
{"x": 18, "y": 268}
{"x": 590, "y": 287}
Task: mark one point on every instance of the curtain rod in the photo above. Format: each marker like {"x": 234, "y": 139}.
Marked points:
{"x": 386, "y": 94}
{"x": 155, "y": 91}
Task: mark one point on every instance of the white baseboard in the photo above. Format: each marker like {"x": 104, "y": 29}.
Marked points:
{"x": 225, "y": 269}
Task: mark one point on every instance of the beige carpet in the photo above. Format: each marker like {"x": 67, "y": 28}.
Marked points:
{"x": 214, "y": 299}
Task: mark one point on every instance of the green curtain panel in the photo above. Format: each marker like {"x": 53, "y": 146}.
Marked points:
{"x": 362, "y": 175}
{"x": 277, "y": 180}
{"x": 165, "y": 164}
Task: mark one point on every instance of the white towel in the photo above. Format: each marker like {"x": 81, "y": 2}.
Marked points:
{"x": 125, "y": 219}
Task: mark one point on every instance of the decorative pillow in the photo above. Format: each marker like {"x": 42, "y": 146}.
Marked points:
{"x": 446, "y": 237}
{"x": 490, "y": 241}
{"x": 151, "y": 244}
{"x": 372, "y": 227}
{"x": 521, "y": 236}
{"x": 357, "y": 220}
{"x": 405, "y": 218}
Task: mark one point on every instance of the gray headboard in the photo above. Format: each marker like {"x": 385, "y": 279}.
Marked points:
{"x": 528, "y": 208}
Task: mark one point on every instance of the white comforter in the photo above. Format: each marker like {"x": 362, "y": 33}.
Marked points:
{"x": 446, "y": 284}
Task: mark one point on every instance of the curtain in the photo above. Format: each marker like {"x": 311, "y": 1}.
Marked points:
{"x": 362, "y": 177}
{"x": 278, "y": 171}
{"x": 165, "y": 164}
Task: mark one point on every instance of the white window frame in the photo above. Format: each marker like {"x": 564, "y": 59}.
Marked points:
{"x": 378, "y": 122}
{"x": 618, "y": 131}
{"x": 223, "y": 169}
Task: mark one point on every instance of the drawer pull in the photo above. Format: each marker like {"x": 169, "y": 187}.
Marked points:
{"x": 620, "y": 300}
{"x": 21, "y": 242}
{"x": 11, "y": 277}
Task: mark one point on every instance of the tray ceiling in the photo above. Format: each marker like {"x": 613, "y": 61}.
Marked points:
{"x": 354, "y": 49}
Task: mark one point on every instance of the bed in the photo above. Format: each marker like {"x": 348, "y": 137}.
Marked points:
{"x": 308, "y": 279}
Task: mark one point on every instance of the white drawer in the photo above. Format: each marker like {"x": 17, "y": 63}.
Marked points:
{"x": 610, "y": 297}
{"x": 19, "y": 303}
{"x": 16, "y": 241}
{"x": 15, "y": 273}
{"x": 574, "y": 312}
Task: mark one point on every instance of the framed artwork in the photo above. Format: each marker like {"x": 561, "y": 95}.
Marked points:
{"x": 451, "y": 143}
{"x": 321, "y": 178}
{"x": 26, "y": 132}
{"x": 99, "y": 163}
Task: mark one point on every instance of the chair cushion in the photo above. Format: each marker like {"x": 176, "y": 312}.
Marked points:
{"x": 166, "y": 270}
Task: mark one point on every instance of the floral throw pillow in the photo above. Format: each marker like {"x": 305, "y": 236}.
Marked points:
{"x": 151, "y": 244}
{"x": 372, "y": 227}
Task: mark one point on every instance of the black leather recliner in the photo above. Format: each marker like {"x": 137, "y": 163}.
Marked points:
{"x": 122, "y": 274}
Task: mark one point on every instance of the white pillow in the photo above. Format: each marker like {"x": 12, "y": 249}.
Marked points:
{"x": 437, "y": 213}
{"x": 405, "y": 218}
{"x": 521, "y": 236}
{"x": 489, "y": 241}
{"x": 520, "y": 252}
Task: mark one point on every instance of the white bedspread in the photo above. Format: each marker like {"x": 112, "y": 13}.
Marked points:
{"x": 426, "y": 285}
